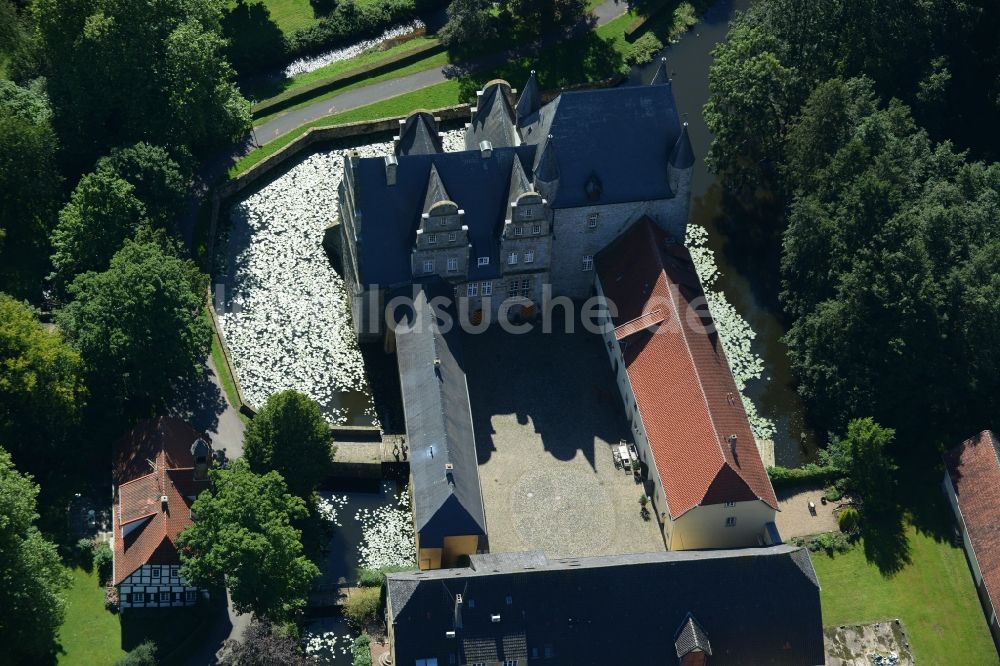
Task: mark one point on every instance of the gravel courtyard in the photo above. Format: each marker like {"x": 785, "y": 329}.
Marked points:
{"x": 546, "y": 413}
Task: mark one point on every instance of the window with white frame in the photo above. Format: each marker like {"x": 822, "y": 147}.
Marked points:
{"x": 536, "y": 229}
{"x": 512, "y": 259}
{"x": 155, "y": 571}
{"x": 443, "y": 221}
{"x": 529, "y": 213}
{"x": 164, "y": 597}
{"x": 518, "y": 230}
{"x": 588, "y": 262}
{"x": 592, "y": 220}
{"x": 139, "y": 597}
{"x": 483, "y": 261}
{"x": 731, "y": 521}
{"x": 190, "y": 595}
{"x": 512, "y": 288}
{"x": 432, "y": 239}
{"x": 525, "y": 287}
{"x": 510, "y": 662}
{"x": 429, "y": 266}
{"x": 430, "y": 661}
{"x": 452, "y": 264}
{"x": 529, "y": 257}
{"x": 452, "y": 236}
{"x": 730, "y": 504}
{"x": 472, "y": 289}
{"x": 487, "y": 288}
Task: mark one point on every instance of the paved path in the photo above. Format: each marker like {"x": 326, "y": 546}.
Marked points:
{"x": 230, "y": 625}
{"x": 203, "y": 404}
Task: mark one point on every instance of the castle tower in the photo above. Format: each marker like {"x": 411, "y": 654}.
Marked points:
{"x": 681, "y": 168}
{"x": 202, "y": 453}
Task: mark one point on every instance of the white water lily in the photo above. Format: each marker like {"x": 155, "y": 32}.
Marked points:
{"x": 287, "y": 319}
{"x": 736, "y": 334}
{"x": 387, "y": 535}
{"x": 311, "y": 63}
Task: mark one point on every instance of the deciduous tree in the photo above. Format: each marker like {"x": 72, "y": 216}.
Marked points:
{"x": 244, "y": 533}
{"x": 42, "y": 388}
{"x": 31, "y": 599}
{"x": 139, "y": 324}
{"x": 290, "y": 435}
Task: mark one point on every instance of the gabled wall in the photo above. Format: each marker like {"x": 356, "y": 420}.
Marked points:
{"x": 154, "y": 580}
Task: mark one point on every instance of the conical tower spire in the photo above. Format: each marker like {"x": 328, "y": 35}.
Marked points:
{"x": 682, "y": 155}
{"x": 435, "y": 190}
{"x": 530, "y": 100}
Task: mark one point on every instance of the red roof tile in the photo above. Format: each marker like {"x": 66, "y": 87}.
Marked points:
{"x": 151, "y": 461}
{"x": 683, "y": 386}
{"x": 974, "y": 468}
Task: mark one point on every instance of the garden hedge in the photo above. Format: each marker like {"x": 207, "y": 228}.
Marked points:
{"x": 811, "y": 474}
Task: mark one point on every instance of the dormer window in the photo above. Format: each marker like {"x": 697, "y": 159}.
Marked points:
{"x": 592, "y": 220}
{"x": 536, "y": 229}
{"x": 432, "y": 239}
{"x": 529, "y": 213}
{"x": 452, "y": 236}
{"x": 483, "y": 261}
{"x": 442, "y": 222}
{"x": 518, "y": 231}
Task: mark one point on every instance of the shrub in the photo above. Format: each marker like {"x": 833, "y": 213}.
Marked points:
{"x": 83, "y": 552}
{"x": 849, "y": 520}
{"x": 833, "y": 494}
{"x": 376, "y": 577}
{"x": 361, "y": 608}
{"x": 143, "y": 654}
{"x": 812, "y": 474}
{"x": 643, "y": 49}
{"x": 111, "y": 598}
{"x": 829, "y": 543}
{"x": 362, "y": 651}
{"x": 103, "y": 561}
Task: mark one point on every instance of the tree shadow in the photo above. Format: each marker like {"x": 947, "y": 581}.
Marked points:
{"x": 199, "y": 402}
{"x": 886, "y": 543}
{"x": 254, "y": 38}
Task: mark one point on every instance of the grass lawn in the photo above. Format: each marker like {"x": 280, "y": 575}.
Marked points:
{"x": 934, "y": 596}
{"x": 371, "y": 57}
{"x": 432, "y": 97}
{"x": 90, "y": 634}
{"x": 430, "y": 62}
{"x": 221, "y": 367}
{"x": 291, "y": 15}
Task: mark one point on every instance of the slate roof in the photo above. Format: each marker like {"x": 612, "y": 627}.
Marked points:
{"x": 662, "y": 74}
{"x": 974, "y": 469}
{"x": 683, "y": 386}
{"x": 625, "y": 135}
{"x": 690, "y": 637}
{"x": 418, "y": 135}
{"x": 391, "y": 213}
{"x": 436, "y": 191}
{"x": 530, "y": 100}
{"x": 494, "y": 120}
{"x": 757, "y": 606}
{"x": 165, "y": 442}
{"x": 447, "y": 502}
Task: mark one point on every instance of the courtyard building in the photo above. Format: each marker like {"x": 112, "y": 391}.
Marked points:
{"x": 708, "y": 484}
{"x": 972, "y": 485}
{"x": 159, "y": 468}
{"x": 653, "y": 609}
{"x": 447, "y": 501}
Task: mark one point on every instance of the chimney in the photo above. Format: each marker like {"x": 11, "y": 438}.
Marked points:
{"x": 163, "y": 503}
{"x": 485, "y": 149}
{"x": 390, "y": 169}
{"x": 732, "y": 443}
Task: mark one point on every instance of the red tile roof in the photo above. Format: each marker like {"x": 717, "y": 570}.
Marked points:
{"x": 974, "y": 469}
{"x": 683, "y": 386}
{"x": 152, "y": 460}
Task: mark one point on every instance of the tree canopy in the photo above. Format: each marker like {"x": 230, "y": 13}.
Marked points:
{"x": 290, "y": 435}
{"x": 139, "y": 324}
{"x": 160, "y": 182}
{"x": 31, "y": 599}
{"x": 121, "y": 71}
{"x": 264, "y": 645}
{"x": 29, "y": 187}
{"x": 244, "y": 532}
{"x": 42, "y": 388}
